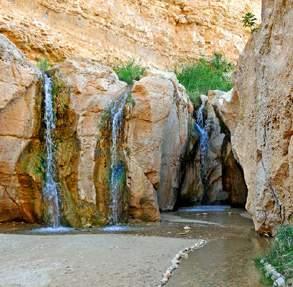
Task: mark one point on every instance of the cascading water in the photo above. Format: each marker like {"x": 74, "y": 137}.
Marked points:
{"x": 203, "y": 140}
{"x": 50, "y": 190}
{"x": 117, "y": 167}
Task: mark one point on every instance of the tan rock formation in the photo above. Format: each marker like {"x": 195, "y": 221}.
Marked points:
{"x": 156, "y": 141}
{"x": 214, "y": 185}
{"x": 151, "y": 142}
{"x": 85, "y": 91}
{"x": 259, "y": 114}
{"x": 221, "y": 179}
{"x": 155, "y": 32}
{"x": 20, "y": 105}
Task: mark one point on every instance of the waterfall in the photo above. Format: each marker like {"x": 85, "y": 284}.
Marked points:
{"x": 203, "y": 140}
{"x": 117, "y": 167}
{"x": 50, "y": 190}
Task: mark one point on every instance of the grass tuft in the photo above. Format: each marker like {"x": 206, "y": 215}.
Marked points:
{"x": 129, "y": 72}
{"x": 43, "y": 64}
{"x": 204, "y": 75}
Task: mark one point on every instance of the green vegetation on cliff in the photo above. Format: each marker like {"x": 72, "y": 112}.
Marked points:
{"x": 280, "y": 255}
{"x": 43, "y": 64}
{"x": 129, "y": 72}
{"x": 204, "y": 75}
{"x": 249, "y": 21}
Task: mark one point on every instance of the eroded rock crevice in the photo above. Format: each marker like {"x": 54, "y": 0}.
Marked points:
{"x": 223, "y": 181}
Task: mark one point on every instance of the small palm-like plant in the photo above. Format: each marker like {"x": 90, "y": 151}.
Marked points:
{"x": 249, "y": 21}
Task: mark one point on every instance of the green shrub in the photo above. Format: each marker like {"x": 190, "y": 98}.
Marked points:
{"x": 129, "y": 72}
{"x": 280, "y": 255}
{"x": 249, "y": 21}
{"x": 204, "y": 75}
{"x": 43, "y": 64}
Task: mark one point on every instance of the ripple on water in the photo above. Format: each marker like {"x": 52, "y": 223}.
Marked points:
{"x": 117, "y": 228}
{"x": 206, "y": 208}
{"x": 52, "y": 230}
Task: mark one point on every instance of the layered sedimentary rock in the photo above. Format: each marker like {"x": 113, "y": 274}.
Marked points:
{"x": 259, "y": 115}
{"x": 155, "y": 32}
{"x": 20, "y": 147}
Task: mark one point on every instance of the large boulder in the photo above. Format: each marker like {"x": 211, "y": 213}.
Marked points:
{"x": 20, "y": 147}
{"x": 259, "y": 115}
{"x": 157, "y": 140}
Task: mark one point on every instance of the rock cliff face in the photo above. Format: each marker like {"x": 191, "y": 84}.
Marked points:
{"x": 20, "y": 146}
{"x": 259, "y": 115}
{"x": 156, "y": 32}
{"x": 150, "y": 147}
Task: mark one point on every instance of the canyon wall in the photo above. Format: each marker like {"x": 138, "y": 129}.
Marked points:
{"x": 160, "y": 33}
{"x": 259, "y": 114}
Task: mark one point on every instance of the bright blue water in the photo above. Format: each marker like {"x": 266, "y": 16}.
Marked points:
{"x": 52, "y": 230}
{"x": 116, "y": 228}
{"x": 50, "y": 190}
{"x": 206, "y": 208}
{"x": 203, "y": 140}
{"x": 117, "y": 167}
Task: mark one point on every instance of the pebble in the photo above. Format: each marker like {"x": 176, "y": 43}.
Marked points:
{"x": 270, "y": 272}
{"x": 280, "y": 282}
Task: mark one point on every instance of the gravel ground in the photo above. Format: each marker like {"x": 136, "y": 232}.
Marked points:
{"x": 86, "y": 260}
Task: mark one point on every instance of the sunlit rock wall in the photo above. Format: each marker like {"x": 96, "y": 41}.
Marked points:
{"x": 154, "y": 32}
{"x": 259, "y": 115}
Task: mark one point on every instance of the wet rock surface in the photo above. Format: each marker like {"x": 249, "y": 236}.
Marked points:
{"x": 215, "y": 176}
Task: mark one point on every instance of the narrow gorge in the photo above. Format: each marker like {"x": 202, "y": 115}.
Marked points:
{"x": 105, "y": 126}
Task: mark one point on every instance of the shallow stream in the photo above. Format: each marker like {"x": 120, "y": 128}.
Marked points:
{"x": 226, "y": 260}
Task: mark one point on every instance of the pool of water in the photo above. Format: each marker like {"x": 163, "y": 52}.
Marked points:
{"x": 221, "y": 263}
{"x": 52, "y": 230}
{"x": 228, "y": 258}
{"x": 118, "y": 228}
{"x": 205, "y": 208}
